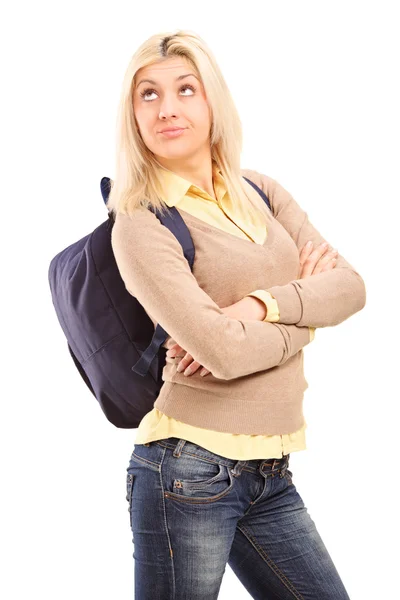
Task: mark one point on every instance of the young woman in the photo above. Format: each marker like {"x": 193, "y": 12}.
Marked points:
{"x": 208, "y": 480}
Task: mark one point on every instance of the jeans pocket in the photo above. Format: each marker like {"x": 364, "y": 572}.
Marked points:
{"x": 196, "y": 481}
{"x": 129, "y": 489}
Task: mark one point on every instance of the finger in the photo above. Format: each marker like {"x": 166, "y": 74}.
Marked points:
{"x": 204, "y": 372}
{"x": 174, "y": 350}
{"x": 309, "y": 264}
{"x": 325, "y": 261}
{"x": 312, "y": 260}
{"x": 304, "y": 255}
{"x": 320, "y": 251}
{"x": 305, "y": 252}
{"x": 330, "y": 265}
{"x": 192, "y": 368}
{"x": 185, "y": 362}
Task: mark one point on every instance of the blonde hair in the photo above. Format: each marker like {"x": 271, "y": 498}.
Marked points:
{"x": 137, "y": 183}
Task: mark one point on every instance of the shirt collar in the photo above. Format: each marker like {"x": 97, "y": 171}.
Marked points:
{"x": 175, "y": 187}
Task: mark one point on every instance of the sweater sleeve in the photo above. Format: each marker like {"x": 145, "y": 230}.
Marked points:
{"x": 272, "y": 308}
{"x": 155, "y": 271}
{"x": 321, "y": 300}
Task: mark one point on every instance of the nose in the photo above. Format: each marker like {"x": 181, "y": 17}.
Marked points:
{"x": 168, "y": 107}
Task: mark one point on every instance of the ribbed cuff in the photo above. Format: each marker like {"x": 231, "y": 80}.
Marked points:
{"x": 288, "y": 299}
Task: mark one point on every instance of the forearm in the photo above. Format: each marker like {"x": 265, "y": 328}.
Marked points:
{"x": 321, "y": 300}
{"x": 252, "y": 308}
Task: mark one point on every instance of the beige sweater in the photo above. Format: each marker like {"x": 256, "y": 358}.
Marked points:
{"x": 257, "y": 382}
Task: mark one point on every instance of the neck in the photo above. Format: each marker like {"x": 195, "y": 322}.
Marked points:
{"x": 198, "y": 171}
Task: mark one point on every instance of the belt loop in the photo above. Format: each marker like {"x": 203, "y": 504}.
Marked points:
{"x": 285, "y": 465}
{"x": 178, "y": 448}
{"x": 237, "y": 469}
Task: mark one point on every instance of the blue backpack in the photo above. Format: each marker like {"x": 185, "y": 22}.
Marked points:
{"x": 111, "y": 339}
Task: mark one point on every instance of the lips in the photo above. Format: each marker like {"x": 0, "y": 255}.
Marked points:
{"x": 168, "y": 129}
{"x": 172, "y": 133}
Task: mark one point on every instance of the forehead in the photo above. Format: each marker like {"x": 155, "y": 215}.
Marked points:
{"x": 170, "y": 67}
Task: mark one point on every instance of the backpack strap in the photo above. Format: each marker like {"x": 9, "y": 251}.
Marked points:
{"x": 105, "y": 187}
{"x": 175, "y": 223}
{"x": 259, "y": 190}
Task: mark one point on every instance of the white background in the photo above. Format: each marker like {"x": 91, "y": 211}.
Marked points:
{"x": 316, "y": 86}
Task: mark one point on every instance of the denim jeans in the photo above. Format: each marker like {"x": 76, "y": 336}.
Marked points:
{"x": 192, "y": 512}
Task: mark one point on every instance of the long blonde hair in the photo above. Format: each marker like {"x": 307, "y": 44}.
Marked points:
{"x": 137, "y": 183}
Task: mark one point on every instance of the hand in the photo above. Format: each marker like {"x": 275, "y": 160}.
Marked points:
{"x": 316, "y": 261}
{"x": 187, "y": 364}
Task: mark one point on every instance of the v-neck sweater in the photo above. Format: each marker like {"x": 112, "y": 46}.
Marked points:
{"x": 156, "y": 425}
{"x": 257, "y": 382}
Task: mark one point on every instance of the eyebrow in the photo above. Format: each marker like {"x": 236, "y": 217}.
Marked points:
{"x": 177, "y": 79}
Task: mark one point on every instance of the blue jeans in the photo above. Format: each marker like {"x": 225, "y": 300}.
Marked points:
{"x": 192, "y": 512}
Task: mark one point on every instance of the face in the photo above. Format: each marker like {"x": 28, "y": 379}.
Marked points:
{"x": 172, "y": 99}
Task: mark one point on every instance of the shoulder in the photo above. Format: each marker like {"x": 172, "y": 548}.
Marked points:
{"x": 270, "y": 186}
{"x": 133, "y": 228}
{"x": 135, "y": 221}
{"x": 142, "y": 235}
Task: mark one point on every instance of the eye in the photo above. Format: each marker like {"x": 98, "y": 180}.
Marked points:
{"x": 151, "y": 91}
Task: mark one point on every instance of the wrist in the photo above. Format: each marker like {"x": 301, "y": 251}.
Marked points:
{"x": 253, "y": 308}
